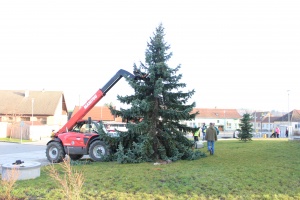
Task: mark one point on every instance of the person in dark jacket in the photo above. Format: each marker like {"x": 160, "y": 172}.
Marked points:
{"x": 203, "y": 128}
{"x": 211, "y": 138}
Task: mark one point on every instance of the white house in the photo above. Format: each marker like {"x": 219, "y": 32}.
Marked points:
{"x": 224, "y": 119}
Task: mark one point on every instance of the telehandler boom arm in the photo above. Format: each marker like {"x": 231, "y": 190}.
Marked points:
{"x": 94, "y": 100}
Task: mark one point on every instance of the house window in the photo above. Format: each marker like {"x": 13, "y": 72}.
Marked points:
{"x": 43, "y": 120}
{"x": 192, "y": 124}
{"x": 25, "y": 118}
{"x": 228, "y": 125}
{"x": 218, "y": 121}
{"x": 297, "y": 126}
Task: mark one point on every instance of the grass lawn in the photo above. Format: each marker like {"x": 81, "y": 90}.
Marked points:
{"x": 13, "y": 140}
{"x": 260, "y": 169}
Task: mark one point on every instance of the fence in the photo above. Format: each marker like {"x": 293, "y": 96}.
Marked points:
{"x": 25, "y": 131}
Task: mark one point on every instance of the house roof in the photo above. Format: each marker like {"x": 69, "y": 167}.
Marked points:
{"x": 217, "y": 113}
{"x": 97, "y": 113}
{"x": 294, "y": 116}
{"x": 266, "y": 119}
{"x": 25, "y": 102}
{"x": 259, "y": 116}
{"x": 263, "y": 117}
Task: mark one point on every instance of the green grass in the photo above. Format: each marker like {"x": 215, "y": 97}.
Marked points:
{"x": 260, "y": 169}
{"x": 13, "y": 140}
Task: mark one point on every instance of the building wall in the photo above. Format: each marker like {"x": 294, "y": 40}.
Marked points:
{"x": 3, "y": 129}
{"x": 41, "y": 132}
{"x": 59, "y": 118}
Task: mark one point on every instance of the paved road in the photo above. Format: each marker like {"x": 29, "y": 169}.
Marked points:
{"x": 32, "y": 151}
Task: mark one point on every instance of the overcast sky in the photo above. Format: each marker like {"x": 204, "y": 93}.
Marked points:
{"x": 235, "y": 54}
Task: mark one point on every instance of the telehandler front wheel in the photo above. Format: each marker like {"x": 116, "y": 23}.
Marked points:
{"x": 55, "y": 152}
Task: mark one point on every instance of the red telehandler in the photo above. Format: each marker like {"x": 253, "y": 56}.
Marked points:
{"x": 80, "y": 137}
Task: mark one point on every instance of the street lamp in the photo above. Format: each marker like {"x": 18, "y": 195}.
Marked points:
{"x": 32, "y": 101}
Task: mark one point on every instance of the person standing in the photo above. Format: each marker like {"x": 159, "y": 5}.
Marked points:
{"x": 52, "y": 133}
{"x": 216, "y": 129}
{"x": 211, "y": 137}
{"x": 287, "y": 132}
{"x": 277, "y": 130}
{"x": 203, "y": 131}
{"x": 196, "y": 135}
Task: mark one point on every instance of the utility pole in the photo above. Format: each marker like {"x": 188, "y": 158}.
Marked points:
{"x": 32, "y": 101}
{"x": 269, "y": 122}
{"x": 261, "y": 118}
{"x": 288, "y": 107}
{"x": 224, "y": 120}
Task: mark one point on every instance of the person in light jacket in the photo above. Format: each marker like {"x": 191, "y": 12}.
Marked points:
{"x": 211, "y": 138}
{"x": 277, "y": 130}
{"x": 196, "y": 135}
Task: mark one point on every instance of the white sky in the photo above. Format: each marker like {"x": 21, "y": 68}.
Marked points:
{"x": 235, "y": 54}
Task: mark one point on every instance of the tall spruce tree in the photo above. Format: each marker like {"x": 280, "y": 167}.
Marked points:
{"x": 156, "y": 109}
{"x": 246, "y": 128}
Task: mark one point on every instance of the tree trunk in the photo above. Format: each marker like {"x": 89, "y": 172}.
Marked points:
{"x": 153, "y": 130}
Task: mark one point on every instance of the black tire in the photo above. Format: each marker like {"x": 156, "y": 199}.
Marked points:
{"x": 97, "y": 150}
{"x": 55, "y": 152}
{"x": 75, "y": 156}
